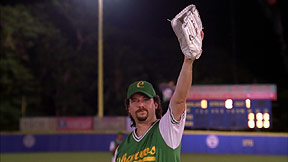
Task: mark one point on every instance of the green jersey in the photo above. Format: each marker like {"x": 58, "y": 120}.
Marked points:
{"x": 161, "y": 142}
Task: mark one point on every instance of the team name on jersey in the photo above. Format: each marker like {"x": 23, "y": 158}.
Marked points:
{"x": 145, "y": 155}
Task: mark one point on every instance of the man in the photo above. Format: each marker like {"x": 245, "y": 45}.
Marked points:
{"x": 158, "y": 138}
{"x": 115, "y": 143}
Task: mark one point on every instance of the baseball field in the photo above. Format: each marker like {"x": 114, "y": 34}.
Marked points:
{"x": 106, "y": 157}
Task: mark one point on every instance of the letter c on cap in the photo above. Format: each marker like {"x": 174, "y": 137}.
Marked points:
{"x": 140, "y": 84}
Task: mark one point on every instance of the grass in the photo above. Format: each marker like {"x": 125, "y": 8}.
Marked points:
{"x": 106, "y": 157}
{"x": 231, "y": 158}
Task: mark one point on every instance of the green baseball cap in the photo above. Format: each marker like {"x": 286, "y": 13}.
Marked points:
{"x": 143, "y": 87}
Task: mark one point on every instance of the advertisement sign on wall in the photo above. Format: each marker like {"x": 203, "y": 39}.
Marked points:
{"x": 75, "y": 123}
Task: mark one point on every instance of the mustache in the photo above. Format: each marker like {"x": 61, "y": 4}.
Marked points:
{"x": 141, "y": 109}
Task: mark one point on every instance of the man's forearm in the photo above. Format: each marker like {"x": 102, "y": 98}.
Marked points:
{"x": 178, "y": 100}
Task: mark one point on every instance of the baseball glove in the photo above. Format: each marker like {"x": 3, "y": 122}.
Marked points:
{"x": 188, "y": 28}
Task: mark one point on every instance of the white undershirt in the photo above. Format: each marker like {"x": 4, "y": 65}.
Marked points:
{"x": 171, "y": 129}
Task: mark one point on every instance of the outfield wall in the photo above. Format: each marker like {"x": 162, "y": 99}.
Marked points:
{"x": 236, "y": 143}
{"x": 192, "y": 142}
{"x": 72, "y": 123}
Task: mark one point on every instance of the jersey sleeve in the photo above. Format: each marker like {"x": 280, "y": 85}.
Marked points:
{"x": 172, "y": 130}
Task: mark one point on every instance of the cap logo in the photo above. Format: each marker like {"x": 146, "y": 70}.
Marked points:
{"x": 140, "y": 84}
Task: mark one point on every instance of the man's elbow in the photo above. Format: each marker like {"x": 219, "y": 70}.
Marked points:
{"x": 178, "y": 101}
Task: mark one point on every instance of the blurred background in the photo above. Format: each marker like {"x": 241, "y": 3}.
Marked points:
{"x": 49, "y": 57}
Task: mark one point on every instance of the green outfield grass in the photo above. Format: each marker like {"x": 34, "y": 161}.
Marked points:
{"x": 106, "y": 157}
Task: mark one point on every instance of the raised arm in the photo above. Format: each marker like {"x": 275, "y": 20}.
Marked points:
{"x": 178, "y": 100}
{"x": 188, "y": 28}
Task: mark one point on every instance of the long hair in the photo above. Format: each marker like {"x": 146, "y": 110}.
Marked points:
{"x": 158, "y": 111}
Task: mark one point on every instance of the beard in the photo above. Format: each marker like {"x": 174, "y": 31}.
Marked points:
{"x": 139, "y": 117}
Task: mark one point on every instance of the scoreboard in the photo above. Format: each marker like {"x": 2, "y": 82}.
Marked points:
{"x": 228, "y": 114}
{"x": 230, "y": 107}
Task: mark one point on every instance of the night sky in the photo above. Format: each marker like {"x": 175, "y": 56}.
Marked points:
{"x": 242, "y": 33}
{"x": 249, "y": 34}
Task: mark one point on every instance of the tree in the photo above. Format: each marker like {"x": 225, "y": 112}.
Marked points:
{"x": 18, "y": 31}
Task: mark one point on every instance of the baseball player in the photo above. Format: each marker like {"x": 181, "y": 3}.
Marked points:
{"x": 115, "y": 143}
{"x": 157, "y": 138}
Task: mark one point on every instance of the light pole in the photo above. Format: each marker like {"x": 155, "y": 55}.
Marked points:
{"x": 100, "y": 59}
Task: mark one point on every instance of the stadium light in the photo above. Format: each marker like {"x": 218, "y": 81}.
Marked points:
{"x": 251, "y": 124}
{"x": 204, "y": 104}
{"x": 229, "y": 104}
{"x": 248, "y": 103}
{"x": 251, "y": 116}
{"x": 266, "y": 116}
{"x": 259, "y": 124}
{"x": 266, "y": 124}
{"x": 259, "y": 116}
